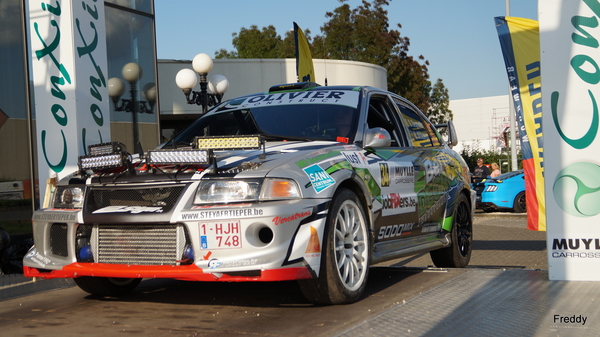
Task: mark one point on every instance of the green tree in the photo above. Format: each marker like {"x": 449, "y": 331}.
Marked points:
{"x": 363, "y": 34}
{"x": 439, "y": 110}
{"x": 253, "y": 43}
{"x": 356, "y": 34}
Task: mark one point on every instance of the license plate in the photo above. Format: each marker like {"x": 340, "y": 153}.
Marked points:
{"x": 220, "y": 235}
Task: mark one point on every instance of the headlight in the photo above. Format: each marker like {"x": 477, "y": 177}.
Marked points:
{"x": 234, "y": 190}
{"x": 69, "y": 197}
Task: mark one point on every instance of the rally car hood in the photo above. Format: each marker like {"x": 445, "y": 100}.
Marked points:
{"x": 277, "y": 159}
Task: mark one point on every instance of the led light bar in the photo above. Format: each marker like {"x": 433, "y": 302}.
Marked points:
{"x": 106, "y": 148}
{"x": 228, "y": 142}
{"x": 177, "y": 157}
{"x": 101, "y": 161}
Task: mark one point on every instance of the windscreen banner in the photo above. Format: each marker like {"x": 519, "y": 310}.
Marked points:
{"x": 520, "y": 42}
{"x": 304, "y": 63}
{"x": 569, "y": 41}
{"x": 69, "y": 68}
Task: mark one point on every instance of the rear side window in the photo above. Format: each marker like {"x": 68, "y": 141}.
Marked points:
{"x": 420, "y": 131}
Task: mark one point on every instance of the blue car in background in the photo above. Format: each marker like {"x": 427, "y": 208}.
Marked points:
{"x": 505, "y": 192}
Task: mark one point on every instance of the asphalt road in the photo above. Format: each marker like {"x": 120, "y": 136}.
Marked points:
{"x": 180, "y": 308}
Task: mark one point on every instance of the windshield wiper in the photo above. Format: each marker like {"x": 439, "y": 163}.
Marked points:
{"x": 278, "y": 137}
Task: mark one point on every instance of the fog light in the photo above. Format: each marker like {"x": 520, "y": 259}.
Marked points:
{"x": 85, "y": 253}
{"x": 188, "y": 253}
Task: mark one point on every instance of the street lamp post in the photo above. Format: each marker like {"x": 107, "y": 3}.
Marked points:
{"x": 132, "y": 73}
{"x": 187, "y": 79}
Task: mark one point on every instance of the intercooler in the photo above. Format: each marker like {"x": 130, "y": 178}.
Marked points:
{"x": 156, "y": 244}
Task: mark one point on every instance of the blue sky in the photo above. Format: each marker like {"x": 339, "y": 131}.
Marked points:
{"x": 458, "y": 37}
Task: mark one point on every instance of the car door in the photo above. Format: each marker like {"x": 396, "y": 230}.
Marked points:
{"x": 396, "y": 207}
{"x": 431, "y": 166}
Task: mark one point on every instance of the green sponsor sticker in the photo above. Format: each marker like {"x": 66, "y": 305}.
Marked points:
{"x": 576, "y": 189}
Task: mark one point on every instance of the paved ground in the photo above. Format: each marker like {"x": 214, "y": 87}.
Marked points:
{"x": 504, "y": 292}
{"x": 501, "y": 240}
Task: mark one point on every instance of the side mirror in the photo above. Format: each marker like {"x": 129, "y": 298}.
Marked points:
{"x": 452, "y": 136}
{"x": 377, "y": 137}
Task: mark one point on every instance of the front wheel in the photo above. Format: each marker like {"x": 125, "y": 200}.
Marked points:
{"x": 107, "y": 286}
{"x": 458, "y": 254}
{"x": 345, "y": 261}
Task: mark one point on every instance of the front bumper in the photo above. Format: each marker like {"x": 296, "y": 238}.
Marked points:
{"x": 288, "y": 254}
{"x": 186, "y": 273}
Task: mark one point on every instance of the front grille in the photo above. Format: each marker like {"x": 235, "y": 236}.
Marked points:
{"x": 161, "y": 244}
{"x": 156, "y": 196}
{"x": 58, "y": 239}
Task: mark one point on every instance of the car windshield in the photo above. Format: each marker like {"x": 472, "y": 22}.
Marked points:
{"x": 327, "y": 119}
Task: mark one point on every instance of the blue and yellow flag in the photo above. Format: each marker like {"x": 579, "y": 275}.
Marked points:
{"x": 304, "y": 63}
{"x": 520, "y": 42}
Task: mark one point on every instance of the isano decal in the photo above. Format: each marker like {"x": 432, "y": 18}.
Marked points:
{"x": 320, "y": 179}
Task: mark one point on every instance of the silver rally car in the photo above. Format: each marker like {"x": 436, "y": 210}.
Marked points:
{"x": 303, "y": 182}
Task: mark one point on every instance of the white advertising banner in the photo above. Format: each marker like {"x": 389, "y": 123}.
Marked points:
{"x": 69, "y": 68}
{"x": 570, "y": 58}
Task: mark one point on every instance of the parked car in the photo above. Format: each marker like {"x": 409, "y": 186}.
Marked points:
{"x": 302, "y": 182}
{"x": 505, "y": 192}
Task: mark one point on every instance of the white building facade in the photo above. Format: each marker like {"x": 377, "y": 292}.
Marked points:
{"x": 248, "y": 76}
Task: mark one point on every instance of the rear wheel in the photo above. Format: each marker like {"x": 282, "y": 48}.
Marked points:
{"x": 345, "y": 260}
{"x": 520, "y": 204}
{"x": 107, "y": 286}
{"x": 458, "y": 254}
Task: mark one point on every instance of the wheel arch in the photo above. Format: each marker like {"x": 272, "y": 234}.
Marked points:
{"x": 361, "y": 191}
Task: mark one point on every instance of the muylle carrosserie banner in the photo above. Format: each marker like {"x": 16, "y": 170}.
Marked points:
{"x": 520, "y": 42}
{"x": 569, "y": 42}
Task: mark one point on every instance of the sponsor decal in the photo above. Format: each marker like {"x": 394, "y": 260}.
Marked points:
{"x": 384, "y": 169}
{"x": 398, "y": 204}
{"x": 432, "y": 169}
{"x": 36, "y": 257}
{"x": 222, "y": 213}
{"x": 348, "y": 98}
{"x": 320, "y": 179}
{"x": 576, "y": 189}
{"x": 131, "y": 209}
{"x": 431, "y": 228}
{"x": 279, "y": 220}
{"x": 403, "y": 174}
{"x": 435, "y": 207}
{"x": 214, "y": 263}
{"x": 355, "y": 158}
{"x": 309, "y": 161}
{"x": 563, "y": 248}
{"x": 391, "y": 231}
{"x": 55, "y": 216}
{"x": 313, "y": 248}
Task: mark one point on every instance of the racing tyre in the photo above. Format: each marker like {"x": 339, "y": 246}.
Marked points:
{"x": 107, "y": 286}
{"x": 458, "y": 254}
{"x": 520, "y": 205}
{"x": 345, "y": 255}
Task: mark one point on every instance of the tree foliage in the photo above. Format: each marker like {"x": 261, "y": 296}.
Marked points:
{"x": 356, "y": 34}
{"x": 439, "y": 109}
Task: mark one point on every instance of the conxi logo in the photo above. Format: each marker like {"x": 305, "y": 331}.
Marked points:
{"x": 577, "y": 189}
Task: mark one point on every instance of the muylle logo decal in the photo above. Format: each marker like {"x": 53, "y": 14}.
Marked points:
{"x": 576, "y": 189}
